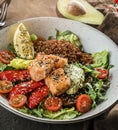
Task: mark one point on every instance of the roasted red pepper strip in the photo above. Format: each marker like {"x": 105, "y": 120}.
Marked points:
{"x": 25, "y": 87}
{"x": 15, "y": 75}
{"x": 37, "y": 96}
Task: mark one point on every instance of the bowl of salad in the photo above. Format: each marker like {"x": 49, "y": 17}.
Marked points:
{"x": 55, "y": 70}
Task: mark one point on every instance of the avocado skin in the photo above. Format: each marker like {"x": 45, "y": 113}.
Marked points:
{"x": 92, "y": 17}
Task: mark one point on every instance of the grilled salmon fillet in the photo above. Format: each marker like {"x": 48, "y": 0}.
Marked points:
{"x": 44, "y": 64}
{"x": 59, "y": 62}
{"x": 57, "y": 82}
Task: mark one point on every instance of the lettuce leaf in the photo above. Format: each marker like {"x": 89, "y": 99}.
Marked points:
{"x": 68, "y": 36}
{"x": 94, "y": 91}
{"x": 63, "y": 114}
{"x": 100, "y": 59}
{"x": 18, "y": 63}
{"x": 2, "y": 66}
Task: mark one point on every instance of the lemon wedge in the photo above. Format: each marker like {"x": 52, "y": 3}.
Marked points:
{"x": 22, "y": 42}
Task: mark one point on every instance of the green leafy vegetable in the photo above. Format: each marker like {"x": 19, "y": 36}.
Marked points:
{"x": 36, "y": 112}
{"x": 5, "y": 67}
{"x": 63, "y": 114}
{"x": 100, "y": 59}
{"x": 91, "y": 92}
{"x": 2, "y": 66}
{"x": 87, "y": 69}
{"x": 94, "y": 91}
{"x": 18, "y": 63}
{"x": 68, "y": 36}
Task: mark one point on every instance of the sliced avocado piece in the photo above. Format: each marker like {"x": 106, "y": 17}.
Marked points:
{"x": 92, "y": 16}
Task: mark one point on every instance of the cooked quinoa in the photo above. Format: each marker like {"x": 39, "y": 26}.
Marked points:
{"x": 63, "y": 49}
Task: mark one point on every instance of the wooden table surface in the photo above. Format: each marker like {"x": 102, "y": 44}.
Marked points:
{"x": 18, "y": 10}
{"x": 22, "y": 9}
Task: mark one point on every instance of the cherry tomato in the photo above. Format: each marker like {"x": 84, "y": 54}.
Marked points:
{"x": 18, "y": 100}
{"x": 6, "y": 56}
{"x": 53, "y": 103}
{"x": 5, "y": 86}
{"x": 83, "y": 103}
{"x": 103, "y": 73}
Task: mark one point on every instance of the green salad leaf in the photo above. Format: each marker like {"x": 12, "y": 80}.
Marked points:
{"x": 100, "y": 59}
{"x": 2, "y": 66}
{"x": 18, "y": 63}
{"x": 87, "y": 69}
{"x": 63, "y": 114}
{"x": 36, "y": 112}
{"x": 94, "y": 91}
{"x": 68, "y": 36}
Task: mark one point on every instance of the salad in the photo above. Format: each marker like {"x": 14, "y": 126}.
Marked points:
{"x": 53, "y": 78}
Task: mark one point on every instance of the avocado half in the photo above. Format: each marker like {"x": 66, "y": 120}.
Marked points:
{"x": 92, "y": 15}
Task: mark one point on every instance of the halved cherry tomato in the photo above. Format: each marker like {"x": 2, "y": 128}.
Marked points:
{"x": 103, "y": 73}
{"x": 53, "y": 103}
{"x": 6, "y": 56}
{"x": 83, "y": 103}
{"x": 5, "y": 86}
{"x": 18, "y": 100}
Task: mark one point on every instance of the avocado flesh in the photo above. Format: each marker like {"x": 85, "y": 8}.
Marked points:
{"x": 92, "y": 16}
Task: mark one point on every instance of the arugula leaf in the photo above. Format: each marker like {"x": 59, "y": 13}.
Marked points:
{"x": 91, "y": 92}
{"x": 94, "y": 91}
{"x": 36, "y": 112}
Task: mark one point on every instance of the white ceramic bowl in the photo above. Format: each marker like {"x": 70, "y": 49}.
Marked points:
{"x": 92, "y": 41}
